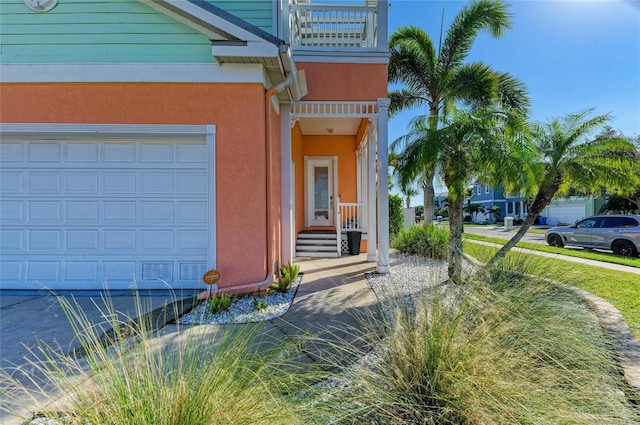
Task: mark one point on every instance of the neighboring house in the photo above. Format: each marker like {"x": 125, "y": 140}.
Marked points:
{"x": 488, "y": 197}
{"x": 571, "y": 209}
{"x": 144, "y": 142}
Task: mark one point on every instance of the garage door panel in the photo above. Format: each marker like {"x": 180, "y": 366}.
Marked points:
{"x": 119, "y": 211}
{"x": 191, "y": 153}
{"x": 80, "y": 271}
{"x": 12, "y": 212}
{"x": 43, "y": 240}
{"x": 87, "y": 240}
{"x": 192, "y": 183}
{"x": 44, "y": 212}
{"x": 11, "y": 151}
{"x": 43, "y": 272}
{"x": 119, "y": 271}
{"x": 44, "y": 182}
{"x": 84, "y": 183}
{"x": 12, "y": 272}
{"x": 11, "y": 241}
{"x": 81, "y": 212}
{"x": 192, "y": 212}
{"x": 119, "y": 183}
{"x": 156, "y": 183}
{"x": 156, "y": 212}
{"x": 157, "y": 240}
{"x": 81, "y": 152}
{"x": 119, "y": 241}
{"x": 118, "y": 152}
{"x": 11, "y": 182}
{"x": 46, "y": 151}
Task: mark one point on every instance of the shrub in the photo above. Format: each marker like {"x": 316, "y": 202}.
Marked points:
{"x": 260, "y": 302}
{"x": 220, "y": 303}
{"x": 430, "y": 242}
{"x": 396, "y": 215}
{"x": 286, "y": 276}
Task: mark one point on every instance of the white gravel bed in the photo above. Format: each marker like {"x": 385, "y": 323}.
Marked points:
{"x": 242, "y": 309}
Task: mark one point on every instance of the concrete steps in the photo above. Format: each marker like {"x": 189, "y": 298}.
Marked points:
{"x": 316, "y": 244}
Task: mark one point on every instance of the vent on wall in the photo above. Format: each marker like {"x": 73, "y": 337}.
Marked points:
{"x": 157, "y": 271}
{"x": 192, "y": 271}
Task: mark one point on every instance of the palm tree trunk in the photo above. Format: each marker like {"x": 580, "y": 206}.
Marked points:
{"x": 455, "y": 240}
{"x": 428, "y": 198}
{"x": 542, "y": 199}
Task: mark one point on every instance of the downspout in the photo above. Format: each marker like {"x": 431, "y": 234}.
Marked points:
{"x": 257, "y": 286}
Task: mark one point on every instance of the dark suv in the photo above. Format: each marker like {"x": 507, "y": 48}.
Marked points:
{"x": 618, "y": 233}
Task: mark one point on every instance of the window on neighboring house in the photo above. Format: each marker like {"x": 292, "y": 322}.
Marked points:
{"x": 486, "y": 189}
{"x": 478, "y": 190}
{"x": 509, "y": 208}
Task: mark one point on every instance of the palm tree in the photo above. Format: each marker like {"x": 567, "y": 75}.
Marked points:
{"x": 438, "y": 79}
{"x": 568, "y": 158}
{"x": 495, "y": 211}
{"x": 473, "y": 210}
{"x": 465, "y": 144}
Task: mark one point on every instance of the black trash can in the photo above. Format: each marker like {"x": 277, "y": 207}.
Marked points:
{"x": 353, "y": 241}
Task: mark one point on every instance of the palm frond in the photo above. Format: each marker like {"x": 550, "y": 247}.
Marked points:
{"x": 412, "y": 57}
{"x": 405, "y": 99}
{"x": 490, "y": 15}
{"x": 475, "y": 84}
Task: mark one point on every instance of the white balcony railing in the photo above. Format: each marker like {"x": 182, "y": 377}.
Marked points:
{"x": 351, "y": 214}
{"x": 338, "y": 26}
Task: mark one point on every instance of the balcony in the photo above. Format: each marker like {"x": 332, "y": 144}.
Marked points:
{"x": 338, "y": 28}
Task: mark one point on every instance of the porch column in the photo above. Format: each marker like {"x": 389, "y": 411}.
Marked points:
{"x": 371, "y": 194}
{"x": 286, "y": 205}
{"x": 383, "y": 185}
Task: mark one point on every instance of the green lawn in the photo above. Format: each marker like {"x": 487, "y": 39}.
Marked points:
{"x": 590, "y": 255}
{"x": 619, "y": 288}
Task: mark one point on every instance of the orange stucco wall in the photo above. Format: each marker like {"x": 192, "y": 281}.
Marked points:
{"x": 238, "y": 111}
{"x": 345, "y": 81}
{"x": 344, "y": 147}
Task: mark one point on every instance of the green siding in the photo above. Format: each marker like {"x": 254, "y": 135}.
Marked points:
{"x": 257, "y": 12}
{"x": 97, "y": 31}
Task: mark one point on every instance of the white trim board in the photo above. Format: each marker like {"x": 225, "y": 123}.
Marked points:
{"x": 133, "y": 73}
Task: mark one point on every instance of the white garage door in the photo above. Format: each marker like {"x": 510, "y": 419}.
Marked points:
{"x": 565, "y": 214}
{"x": 96, "y": 213}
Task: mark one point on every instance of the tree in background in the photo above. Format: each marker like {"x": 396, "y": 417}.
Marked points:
{"x": 567, "y": 156}
{"x": 396, "y": 215}
{"x": 438, "y": 79}
{"x": 473, "y": 210}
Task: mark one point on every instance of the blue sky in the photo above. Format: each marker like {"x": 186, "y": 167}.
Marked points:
{"x": 572, "y": 55}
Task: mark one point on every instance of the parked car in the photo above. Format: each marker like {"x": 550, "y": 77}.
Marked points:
{"x": 618, "y": 233}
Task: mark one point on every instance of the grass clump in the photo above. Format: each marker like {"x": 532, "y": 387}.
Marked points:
{"x": 430, "y": 242}
{"x": 220, "y": 303}
{"x": 503, "y": 349}
{"x": 198, "y": 376}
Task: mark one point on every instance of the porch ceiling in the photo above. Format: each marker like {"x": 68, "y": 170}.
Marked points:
{"x": 329, "y": 126}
